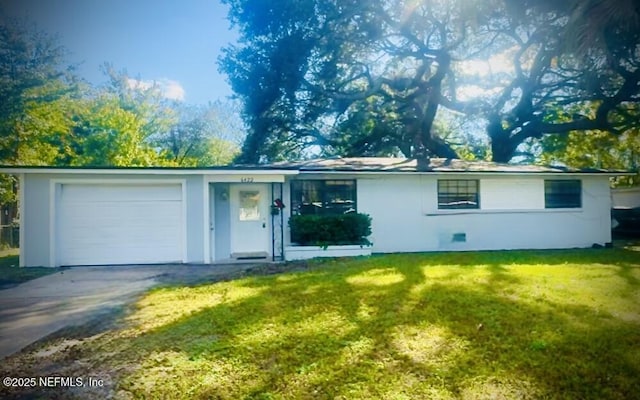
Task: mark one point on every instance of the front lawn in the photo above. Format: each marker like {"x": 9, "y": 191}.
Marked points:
{"x": 499, "y": 325}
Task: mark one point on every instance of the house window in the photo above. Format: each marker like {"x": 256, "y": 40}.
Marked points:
{"x": 323, "y": 197}
{"x": 249, "y": 201}
{"x": 562, "y": 193}
{"x": 458, "y": 194}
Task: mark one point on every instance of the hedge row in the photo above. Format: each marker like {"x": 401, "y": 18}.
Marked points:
{"x": 325, "y": 230}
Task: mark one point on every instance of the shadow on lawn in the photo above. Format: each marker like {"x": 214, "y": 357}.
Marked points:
{"x": 334, "y": 332}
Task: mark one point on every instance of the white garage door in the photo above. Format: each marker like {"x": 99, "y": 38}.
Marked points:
{"x": 119, "y": 224}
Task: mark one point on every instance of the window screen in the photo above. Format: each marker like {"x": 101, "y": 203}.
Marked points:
{"x": 323, "y": 197}
{"x": 458, "y": 194}
{"x": 562, "y": 193}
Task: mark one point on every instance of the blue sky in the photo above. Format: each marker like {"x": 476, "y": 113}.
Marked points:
{"x": 175, "y": 43}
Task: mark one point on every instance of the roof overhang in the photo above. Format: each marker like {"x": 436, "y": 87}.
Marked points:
{"x": 476, "y": 173}
{"x": 146, "y": 171}
{"x": 436, "y": 166}
{"x": 368, "y": 167}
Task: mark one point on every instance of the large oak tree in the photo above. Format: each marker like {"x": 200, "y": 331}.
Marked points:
{"x": 372, "y": 78}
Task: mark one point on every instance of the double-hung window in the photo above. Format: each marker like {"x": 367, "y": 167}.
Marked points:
{"x": 458, "y": 194}
{"x": 323, "y": 197}
{"x": 563, "y": 193}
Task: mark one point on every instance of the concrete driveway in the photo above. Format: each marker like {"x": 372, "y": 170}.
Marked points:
{"x": 38, "y": 308}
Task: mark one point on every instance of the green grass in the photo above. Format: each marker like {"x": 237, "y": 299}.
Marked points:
{"x": 499, "y": 325}
{"x": 11, "y": 274}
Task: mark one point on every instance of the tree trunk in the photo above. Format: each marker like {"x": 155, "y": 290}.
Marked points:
{"x": 502, "y": 147}
{"x": 425, "y": 142}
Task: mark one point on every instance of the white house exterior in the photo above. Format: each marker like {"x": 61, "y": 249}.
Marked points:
{"x": 108, "y": 216}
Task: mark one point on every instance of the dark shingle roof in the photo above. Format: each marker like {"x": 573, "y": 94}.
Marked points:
{"x": 338, "y": 164}
{"x": 388, "y": 164}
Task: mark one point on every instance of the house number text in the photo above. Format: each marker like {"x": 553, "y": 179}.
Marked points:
{"x": 246, "y": 179}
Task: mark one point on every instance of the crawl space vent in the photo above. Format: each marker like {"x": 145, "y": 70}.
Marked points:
{"x": 459, "y": 237}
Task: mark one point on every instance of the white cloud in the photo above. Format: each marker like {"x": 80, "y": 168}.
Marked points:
{"x": 168, "y": 88}
{"x": 138, "y": 84}
{"x": 172, "y": 89}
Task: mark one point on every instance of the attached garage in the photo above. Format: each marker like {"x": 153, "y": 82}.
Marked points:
{"x": 107, "y": 223}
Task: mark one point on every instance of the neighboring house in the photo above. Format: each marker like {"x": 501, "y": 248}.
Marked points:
{"x": 626, "y": 197}
{"x": 92, "y": 216}
{"x": 626, "y": 211}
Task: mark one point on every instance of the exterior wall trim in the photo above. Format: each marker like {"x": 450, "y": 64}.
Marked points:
{"x": 206, "y": 243}
{"x": 145, "y": 171}
{"x": 185, "y": 225}
{"x": 505, "y": 211}
{"x": 295, "y": 252}
{"x": 454, "y": 174}
{"x": 245, "y": 178}
{"x": 21, "y": 208}
{"x": 52, "y": 223}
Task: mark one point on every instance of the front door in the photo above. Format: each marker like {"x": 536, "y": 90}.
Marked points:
{"x": 249, "y": 220}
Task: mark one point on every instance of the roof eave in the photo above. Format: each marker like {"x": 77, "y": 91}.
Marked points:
{"x": 464, "y": 172}
{"x": 148, "y": 171}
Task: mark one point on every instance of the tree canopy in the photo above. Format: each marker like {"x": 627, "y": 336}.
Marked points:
{"x": 36, "y": 89}
{"x": 377, "y": 78}
{"x": 48, "y": 116}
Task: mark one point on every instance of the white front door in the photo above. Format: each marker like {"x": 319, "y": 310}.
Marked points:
{"x": 250, "y": 222}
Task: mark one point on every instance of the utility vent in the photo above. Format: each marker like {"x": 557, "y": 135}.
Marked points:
{"x": 259, "y": 255}
{"x": 459, "y": 237}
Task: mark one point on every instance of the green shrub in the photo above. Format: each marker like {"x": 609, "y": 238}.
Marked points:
{"x": 325, "y": 230}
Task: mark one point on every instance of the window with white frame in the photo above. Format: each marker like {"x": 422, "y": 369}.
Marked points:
{"x": 562, "y": 193}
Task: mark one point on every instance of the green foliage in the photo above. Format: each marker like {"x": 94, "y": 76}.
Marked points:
{"x": 202, "y": 136}
{"x": 8, "y": 190}
{"x": 217, "y": 152}
{"x": 106, "y": 134}
{"x": 596, "y": 149}
{"x": 373, "y": 129}
{"x": 155, "y": 113}
{"x": 325, "y": 230}
{"x": 37, "y": 94}
{"x": 47, "y": 118}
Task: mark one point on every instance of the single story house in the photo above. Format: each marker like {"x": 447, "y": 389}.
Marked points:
{"x": 108, "y": 216}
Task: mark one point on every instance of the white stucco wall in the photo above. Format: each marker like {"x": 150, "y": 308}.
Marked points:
{"x": 397, "y": 205}
{"x": 512, "y": 215}
{"x": 403, "y": 208}
{"x": 507, "y": 193}
{"x": 34, "y": 222}
{"x": 195, "y": 218}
